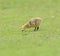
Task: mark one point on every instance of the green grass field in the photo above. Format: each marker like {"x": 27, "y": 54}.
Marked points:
{"x": 14, "y": 42}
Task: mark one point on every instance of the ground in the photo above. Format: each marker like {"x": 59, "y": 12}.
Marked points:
{"x": 14, "y": 42}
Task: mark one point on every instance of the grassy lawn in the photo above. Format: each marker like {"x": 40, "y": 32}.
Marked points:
{"x": 14, "y": 42}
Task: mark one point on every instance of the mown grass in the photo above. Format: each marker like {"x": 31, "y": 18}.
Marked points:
{"x": 14, "y": 42}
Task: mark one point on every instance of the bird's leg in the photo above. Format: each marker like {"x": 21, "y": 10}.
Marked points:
{"x": 35, "y": 29}
{"x": 38, "y": 28}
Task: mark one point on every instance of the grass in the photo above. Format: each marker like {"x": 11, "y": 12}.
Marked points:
{"x": 14, "y": 42}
